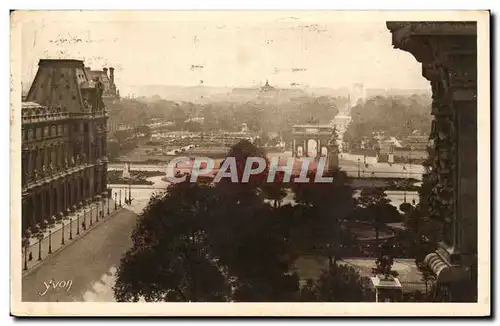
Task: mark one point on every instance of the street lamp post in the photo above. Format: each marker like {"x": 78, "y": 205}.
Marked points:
{"x": 62, "y": 233}
{"x": 359, "y": 172}
{"x": 115, "y": 200}
{"x": 120, "y": 198}
{"x": 107, "y": 198}
{"x": 97, "y": 206}
{"x": 70, "y": 228}
{"x": 40, "y": 248}
{"x": 101, "y": 203}
{"x": 84, "y": 218}
{"x": 50, "y": 241}
{"x": 78, "y": 224}
{"x": 129, "y": 194}
{"x": 26, "y": 244}
{"x": 53, "y": 219}
{"x": 39, "y": 236}
{"x": 90, "y": 209}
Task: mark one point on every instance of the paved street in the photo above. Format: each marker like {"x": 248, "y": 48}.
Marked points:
{"x": 90, "y": 262}
{"x": 73, "y": 229}
{"x": 84, "y": 262}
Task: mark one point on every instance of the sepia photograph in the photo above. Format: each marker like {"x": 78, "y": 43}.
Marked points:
{"x": 250, "y": 163}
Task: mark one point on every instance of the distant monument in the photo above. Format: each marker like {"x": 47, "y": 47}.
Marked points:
{"x": 333, "y": 150}
{"x": 126, "y": 171}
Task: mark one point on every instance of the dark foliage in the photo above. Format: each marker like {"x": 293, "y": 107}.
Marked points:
{"x": 341, "y": 284}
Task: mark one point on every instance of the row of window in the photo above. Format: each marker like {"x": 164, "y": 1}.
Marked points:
{"x": 38, "y": 133}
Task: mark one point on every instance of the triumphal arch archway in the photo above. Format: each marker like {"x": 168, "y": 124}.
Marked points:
{"x": 314, "y": 141}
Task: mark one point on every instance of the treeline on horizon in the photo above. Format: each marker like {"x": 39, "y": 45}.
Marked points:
{"x": 397, "y": 116}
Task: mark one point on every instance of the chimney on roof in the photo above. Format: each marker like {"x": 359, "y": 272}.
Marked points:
{"x": 105, "y": 71}
{"x": 112, "y": 75}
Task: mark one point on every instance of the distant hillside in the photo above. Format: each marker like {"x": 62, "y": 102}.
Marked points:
{"x": 194, "y": 94}
{"x": 207, "y": 94}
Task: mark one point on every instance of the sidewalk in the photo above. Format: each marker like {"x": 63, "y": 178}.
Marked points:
{"x": 56, "y": 239}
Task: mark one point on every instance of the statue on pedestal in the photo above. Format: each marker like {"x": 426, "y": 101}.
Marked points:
{"x": 126, "y": 171}
{"x": 333, "y": 150}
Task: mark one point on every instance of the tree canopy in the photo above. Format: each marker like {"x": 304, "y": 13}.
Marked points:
{"x": 225, "y": 242}
{"x": 395, "y": 116}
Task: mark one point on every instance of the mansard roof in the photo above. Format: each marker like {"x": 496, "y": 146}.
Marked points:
{"x": 59, "y": 83}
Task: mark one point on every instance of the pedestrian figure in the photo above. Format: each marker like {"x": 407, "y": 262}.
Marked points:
{"x": 30, "y": 258}
{"x": 84, "y": 226}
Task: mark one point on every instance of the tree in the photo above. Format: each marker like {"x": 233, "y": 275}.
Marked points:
{"x": 275, "y": 190}
{"x": 397, "y": 116}
{"x": 209, "y": 120}
{"x": 308, "y": 292}
{"x": 240, "y": 190}
{"x": 344, "y": 284}
{"x": 178, "y": 115}
{"x": 384, "y": 263}
{"x": 427, "y": 276}
{"x": 325, "y": 206}
{"x": 169, "y": 259}
{"x": 373, "y": 202}
{"x": 247, "y": 237}
{"x": 201, "y": 243}
{"x": 406, "y": 208}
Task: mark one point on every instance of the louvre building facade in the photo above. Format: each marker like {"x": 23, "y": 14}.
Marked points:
{"x": 64, "y": 128}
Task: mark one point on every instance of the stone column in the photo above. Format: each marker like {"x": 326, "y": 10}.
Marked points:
{"x": 30, "y": 211}
{"x": 71, "y": 193}
{"x": 34, "y": 208}
{"x": 42, "y": 203}
{"x": 294, "y": 150}
{"x": 24, "y": 167}
{"x": 447, "y": 51}
{"x": 64, "y": 186}
{"x": 84, "y": 184}
{"x": 25, "y": 214}
{"x": 55, "y": 157}
{"x": 38, "y": 162}
{"x": 61, "y": 198}
{"x": 104, "y": 176}
{"x": 104, "y": 146}
{"x": 50, "y": 203}
{"x": 29, "y": 166}
{"x": 62, "y": 155}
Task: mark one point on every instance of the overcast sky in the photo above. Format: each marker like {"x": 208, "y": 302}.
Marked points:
{"x": 228, "y": 50}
